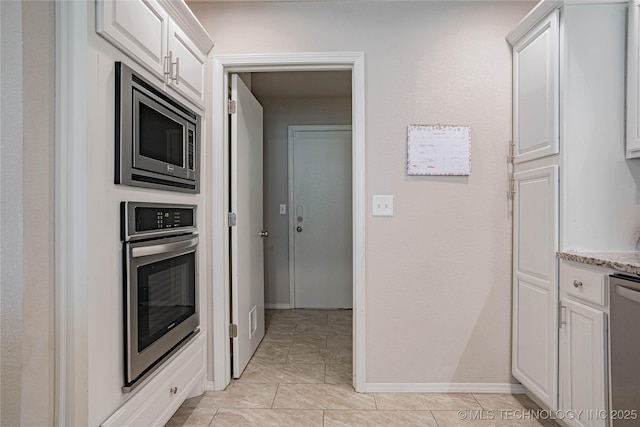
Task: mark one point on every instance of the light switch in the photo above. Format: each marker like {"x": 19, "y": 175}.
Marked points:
{"x": 283, "y": 209}
{"x": 382, "y": 206}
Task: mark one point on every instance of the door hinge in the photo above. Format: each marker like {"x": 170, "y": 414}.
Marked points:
{"x": 233, "y": 331}
{"x": 561, "y": 319}
{"x": 232, "y": 219}
{"x": 512, "y": 151}
{"x": 232, "y": 106}
{"x": 511, "y": 187}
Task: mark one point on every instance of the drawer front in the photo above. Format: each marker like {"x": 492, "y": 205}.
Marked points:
{"x": 582, "y": 283}
{"x": 170, "y": 395}
{"x": 156, "y": 401}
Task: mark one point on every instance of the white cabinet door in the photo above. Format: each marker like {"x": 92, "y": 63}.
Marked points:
{"x": 535, "y": 290}
{"x": 188, "y": 65}
{"x": 536, "y": 91}
{"x": 582, "y": 363}
{"x": 139, "y": 27}
{"x": 633, "y": 81}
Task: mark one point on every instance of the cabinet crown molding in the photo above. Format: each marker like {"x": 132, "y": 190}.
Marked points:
{"x": 183, "y": 15}
{"x": 542, "y": 9}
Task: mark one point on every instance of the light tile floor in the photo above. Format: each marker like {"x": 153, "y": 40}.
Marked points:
{"x": 300, "y": 376}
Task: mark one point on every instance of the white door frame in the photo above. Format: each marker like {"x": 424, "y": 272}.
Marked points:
{"x": 292, "y": 216}
{"x": 223, "y": 65}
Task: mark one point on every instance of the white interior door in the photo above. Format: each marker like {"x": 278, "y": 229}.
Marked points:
{"x": 247, "y": 250}
{"x": 321, "y": 274}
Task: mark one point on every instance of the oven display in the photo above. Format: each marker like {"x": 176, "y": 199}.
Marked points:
{"x": 148, "y": 219}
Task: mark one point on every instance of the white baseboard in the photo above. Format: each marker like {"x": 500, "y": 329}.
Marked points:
{"x": 210, "y": 386}
{"x": 444, "y": 388}
{"x": 277, "y": 306}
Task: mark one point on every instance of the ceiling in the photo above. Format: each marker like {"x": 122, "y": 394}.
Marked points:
{"x": 301, "y": 84}
{"x": 233, "y": 1}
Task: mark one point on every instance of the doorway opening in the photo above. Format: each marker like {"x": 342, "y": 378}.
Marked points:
{"x": 224, "y": 67}
{"x": 291, "y": 193}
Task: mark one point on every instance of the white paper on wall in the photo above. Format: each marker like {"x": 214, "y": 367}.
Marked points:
{"x": 438, "y": 150}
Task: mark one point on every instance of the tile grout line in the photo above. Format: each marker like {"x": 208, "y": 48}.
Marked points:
{"x": 477, "y": 401}
{"x": 434, "y": 418}
{"x": 214, "y": 415}
{"x": 275, "y": 395}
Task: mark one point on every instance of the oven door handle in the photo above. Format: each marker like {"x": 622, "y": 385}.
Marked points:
{"x": 163, "y": 248}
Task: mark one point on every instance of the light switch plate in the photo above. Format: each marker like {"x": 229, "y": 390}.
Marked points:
{"x": 283, "y": 209}
{"x": 382, "y": 205}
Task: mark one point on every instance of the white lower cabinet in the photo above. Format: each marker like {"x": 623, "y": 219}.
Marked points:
{"x": 535, "y": 283}
{"x": 157, "y": 400}
{"x": 583, "y": 347}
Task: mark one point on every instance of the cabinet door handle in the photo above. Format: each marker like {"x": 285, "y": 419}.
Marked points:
{"x": 577, "y": 284}
{"x": 168, "y": 60}
{"x": 176, "y": 78}
{"x": 169, "y": 74}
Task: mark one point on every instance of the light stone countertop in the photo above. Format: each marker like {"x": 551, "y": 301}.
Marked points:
{"x": 629, "y": 262}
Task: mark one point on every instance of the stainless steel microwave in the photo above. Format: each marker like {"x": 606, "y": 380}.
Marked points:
{"x": 157, "y": 137}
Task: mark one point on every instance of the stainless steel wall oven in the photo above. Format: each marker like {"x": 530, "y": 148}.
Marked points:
{"x": 160, "y": 284}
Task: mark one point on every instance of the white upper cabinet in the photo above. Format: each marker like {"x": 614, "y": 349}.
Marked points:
{"x": 137, "y": 27}
{"x": 536, "y": 91}
{"x": 187, "y": 67}
{"x": 163, "y": 36}
{"x": 633, "y": 81}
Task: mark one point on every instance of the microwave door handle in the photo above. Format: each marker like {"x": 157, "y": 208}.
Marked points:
{"x": 163, "y": 248}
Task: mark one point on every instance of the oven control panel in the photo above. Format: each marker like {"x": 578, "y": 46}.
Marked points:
{"x": 160, "y": 218}
{"x": 140, "y": 220}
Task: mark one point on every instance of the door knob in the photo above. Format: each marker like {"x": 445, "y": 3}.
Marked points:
{"x": 264, "y": 234}
{"x": 298, "y": 229}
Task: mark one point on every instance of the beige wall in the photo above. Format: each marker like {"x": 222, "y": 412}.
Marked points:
{"x": 11, "y": 211}
{"x": 27, "y": 206}
{"x": 438, "y": 272}
{"x": 39, "y": 83}
{"x": 279, "y": 113}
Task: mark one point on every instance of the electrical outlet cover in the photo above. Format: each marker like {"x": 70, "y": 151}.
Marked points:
{"x": 382, "y": 205}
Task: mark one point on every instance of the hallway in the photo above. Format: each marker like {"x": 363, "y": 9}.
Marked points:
{"x": 300, "y": 375}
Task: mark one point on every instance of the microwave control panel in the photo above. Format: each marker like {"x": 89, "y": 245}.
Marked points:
{"x": 145, "y": 220}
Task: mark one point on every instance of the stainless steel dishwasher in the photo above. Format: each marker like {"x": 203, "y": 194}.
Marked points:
{"x": 624, "y": 330}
